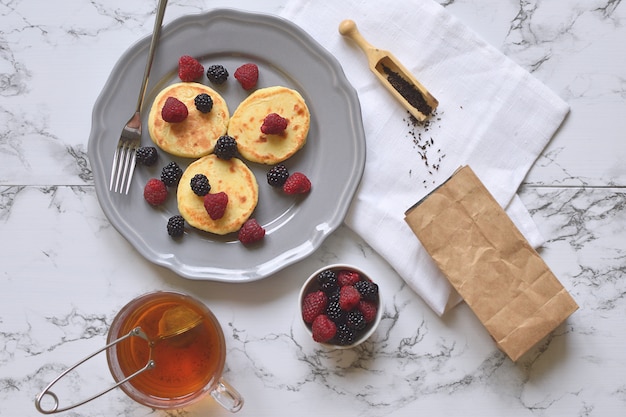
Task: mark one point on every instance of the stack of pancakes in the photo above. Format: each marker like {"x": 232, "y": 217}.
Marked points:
{"x": 195, "y": 137}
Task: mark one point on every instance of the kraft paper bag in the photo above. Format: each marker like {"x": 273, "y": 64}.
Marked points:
{"x": 489, "y": 262}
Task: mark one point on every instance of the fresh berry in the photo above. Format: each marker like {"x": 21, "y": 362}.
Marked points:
{"x": 327, "y": 280}
{"x": 297, "y": 183}
{"x": 174, "y": 110}
{"x": 274, "y": 124}
{"x": 323, "y": 328}
{"x": 313, "y": 305}
{"x": 349, "y": 297}
{"x": 146, "y": 155}
{"x": 200, "y": 185}
{"x": 333, "y": 295}
{"x": 368, "y": 309}
{"x": 345, "y": 335}
{"x": 367, "y": 289}
{"x": 203, "y": 102}
{"x": 346, "y": 277}
{"x": 225, "y": 147}
{"x": 189, "y": 69}
{"x": 277, "y": 176}
{"x": 171, "y": 173}
{"x": 176, "y": 226}
{"x": 247, "y": 75}
{"x": 215, "y": 204}
{"x": 217, "y": 74}
{"x": 356, "y": 320}
{"x": 155, "y": 192}
{"x": 251, "y": 232}
{"x": 335, "y": 313}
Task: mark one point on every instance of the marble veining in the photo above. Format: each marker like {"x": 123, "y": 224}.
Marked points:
{"x": 66, "y": 271}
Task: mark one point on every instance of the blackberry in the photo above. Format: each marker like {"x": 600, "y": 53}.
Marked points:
{"x": 277, "y": 176}
{"x": 355, "y": 320}
{"x": 327, "y": 280}
{"x": 335, "y": 313}
{"x": 171, "y": 173}
{"x": 203, "y": 102}
{"x": 146, "y": 155}
{"x": 200, "y": 185}
{"x": 226, "y": 147}
{"x": 345, "y": 335}
{"x": 176, "y": 226}
{"x": 367, "y": 289}
{"x": 334, "y": 295}
{"x": 217, "y": 74}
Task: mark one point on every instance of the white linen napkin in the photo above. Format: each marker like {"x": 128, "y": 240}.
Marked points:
{"x": 493, "y": 115}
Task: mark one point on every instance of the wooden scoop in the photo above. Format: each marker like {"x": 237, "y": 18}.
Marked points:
{"x": 394, "y": 76}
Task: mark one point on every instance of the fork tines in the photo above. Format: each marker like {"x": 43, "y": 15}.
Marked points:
{"x": 123, "y": 168}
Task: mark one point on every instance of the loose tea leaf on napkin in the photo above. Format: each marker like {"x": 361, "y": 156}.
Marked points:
{"x": 489, "y": 262}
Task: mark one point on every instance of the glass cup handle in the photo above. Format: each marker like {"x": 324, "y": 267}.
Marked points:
{"x": 227, "y": 396}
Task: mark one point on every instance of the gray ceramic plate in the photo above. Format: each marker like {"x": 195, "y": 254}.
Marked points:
{"x": 333, "y": 158}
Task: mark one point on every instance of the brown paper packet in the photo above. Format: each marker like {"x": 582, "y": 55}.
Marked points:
{"x": 490, "y": 263}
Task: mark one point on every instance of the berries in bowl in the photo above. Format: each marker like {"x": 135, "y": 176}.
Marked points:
{"x": 340, "y": 306}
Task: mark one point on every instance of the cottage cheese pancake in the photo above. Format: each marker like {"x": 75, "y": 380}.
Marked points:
{"x": 196, "y": 135}
{"x": 245, "y": 125}
{"x": 230, "y": 176}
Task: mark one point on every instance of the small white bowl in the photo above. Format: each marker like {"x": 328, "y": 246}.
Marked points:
{"x": 311, "y": 285}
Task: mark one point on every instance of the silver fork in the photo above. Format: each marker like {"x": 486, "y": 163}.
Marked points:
{"x": 130, "y": 139}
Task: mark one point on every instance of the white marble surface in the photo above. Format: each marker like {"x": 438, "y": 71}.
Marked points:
{"x": 65, "y": 271}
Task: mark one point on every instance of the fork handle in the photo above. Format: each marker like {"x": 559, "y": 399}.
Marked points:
{"x": 153, "y": 42}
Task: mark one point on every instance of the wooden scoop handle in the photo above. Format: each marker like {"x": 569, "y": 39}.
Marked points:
{"x": 349, "y": 29}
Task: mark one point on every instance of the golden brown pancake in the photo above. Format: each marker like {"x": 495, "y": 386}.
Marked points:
{"x": 230, "y": 176}
{"x": 196, "y": 135}
{"x": 245, "y": 125}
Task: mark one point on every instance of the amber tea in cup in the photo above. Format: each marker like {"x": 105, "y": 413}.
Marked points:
{"x": 185, "y": 343}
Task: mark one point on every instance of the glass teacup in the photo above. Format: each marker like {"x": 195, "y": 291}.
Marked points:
{"x": 165, "y": 350}
{"x": 187, "y": 365}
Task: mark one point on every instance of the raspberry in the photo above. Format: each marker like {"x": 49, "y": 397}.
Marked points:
{"x": 174, "y": 110}
{"x": 274, "y": 124}
{"x": 297, "y": 183}
{"x": 327, "y": 280}
{"x": 367, "y": 289}
{"x": 313, "y": 305}
{"x": 155, "y": 192}
{"x": 203, "y": 102}
{"x": 217, "y": 74}
{"x": 277, "y": 176}
{"x": 200, "y": 185}
{"x": 349, "y": 297}
{"x": 146, "y": 155}
{"x": 251, "y": 232}
{"x": 189, "y": 69}
{"x": 356, "y": 320}
{"x": 345, "y": 335}
{"x": 215, "y": 204}
{"x": 247, "y": 75}
{"x": 171, "y": 173}
{"x": 176, "y": 226}
{"x": 346, "y": 277}
{"x": 368, "y": 309}
{"x": 225, "y": 147}
{"x": 323, "y": 328}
